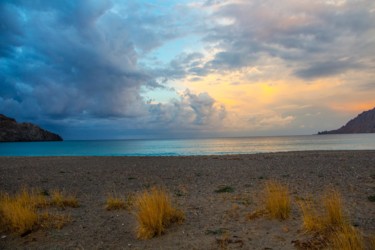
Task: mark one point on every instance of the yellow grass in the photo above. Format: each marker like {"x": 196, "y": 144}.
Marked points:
{"x": 32, "y": 198}
{"x": 115, "y": 203}
{"x": 17, "y": 215}
{"x": 330, "y": 218}
{"x": 60, "y": 200}
{"x": 154, "y": 212}
{"x": 312, "y": 220}
{"x": 19, "y": 212}
{"x": 334, "y": 210}
{"x": 347, "y": 238}
{"x": 331, "y": 224}
{"x": 277, "y": 200}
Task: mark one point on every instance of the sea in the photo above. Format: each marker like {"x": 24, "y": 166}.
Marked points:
{"x": 187, "y": 147}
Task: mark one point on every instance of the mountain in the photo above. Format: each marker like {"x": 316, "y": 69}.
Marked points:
{"x": 11, "y": 131}
{"x": 363, "y": 123}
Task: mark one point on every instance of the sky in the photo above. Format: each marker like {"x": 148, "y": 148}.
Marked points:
{"x": 111, "y": 69}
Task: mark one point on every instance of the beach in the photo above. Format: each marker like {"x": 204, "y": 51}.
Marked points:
{"x": 192, "y": 182}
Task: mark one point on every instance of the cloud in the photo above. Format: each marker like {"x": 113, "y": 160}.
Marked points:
{"x": 327, "y": 68}
{"x": 183, "y": 65}
{"x": 311, "y": 38}
{"x": 190, "y": 115}
{"x": 75, "y": 64}
{"x": 191, "y": 111}
{"x": 367, "y": 86}
{"x": 269, "y": 119}
{"x": 69, "y": 58}
{"x": 89, "y": 62}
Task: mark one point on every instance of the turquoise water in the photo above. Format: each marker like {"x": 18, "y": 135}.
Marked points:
{"x": 176, "y": 147}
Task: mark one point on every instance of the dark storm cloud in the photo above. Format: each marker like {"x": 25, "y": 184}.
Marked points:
{"x": 74, "y": 65}
{"x": 75, "y": 58}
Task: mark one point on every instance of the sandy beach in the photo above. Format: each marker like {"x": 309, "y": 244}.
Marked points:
{"x": 192, "y": 182}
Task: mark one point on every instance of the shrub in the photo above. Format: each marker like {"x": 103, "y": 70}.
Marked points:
{"x": 277, "y": 200}
{"x": 154, "y": 212}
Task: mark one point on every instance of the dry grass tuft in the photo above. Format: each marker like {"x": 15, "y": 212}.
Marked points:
{"x": 347, "y": 238}
{"x": 312, "y": 220}
{"x": 334, "y": 216}
{"x": 331, "y": 218}
{"x": 33, "y": 198}
{"x": 17, "y": 214}
{"x": 60, "y": 200}
{"x": 277, "y": 200}
{"x": 331, "y": 225}
{"x": 20, "y": 213}
{"x": 115, "y": 203}
{"x": 154, "y": 212}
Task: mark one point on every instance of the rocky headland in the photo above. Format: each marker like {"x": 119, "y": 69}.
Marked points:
{"x": 11, "y": 131}
{"x": 363, "y": 123}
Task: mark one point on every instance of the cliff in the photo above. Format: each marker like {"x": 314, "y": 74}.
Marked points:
{"x": 11, "y": 131}
{"x": 363, "y": 123}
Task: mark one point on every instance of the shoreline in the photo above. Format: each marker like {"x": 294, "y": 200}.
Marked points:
{"x": 191, "y": 181}
{"x": 195, "y": 155}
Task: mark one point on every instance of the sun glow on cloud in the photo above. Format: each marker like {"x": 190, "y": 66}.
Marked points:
{"x": 173, "y": 68}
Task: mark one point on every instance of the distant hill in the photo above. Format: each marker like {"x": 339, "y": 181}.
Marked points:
{"x": 11, "y": 131}
{"x": 363, "y": 123}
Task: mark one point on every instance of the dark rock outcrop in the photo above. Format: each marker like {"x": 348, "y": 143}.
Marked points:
{"x": 363, "y": 123}
{"x": 11, "y": 131}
